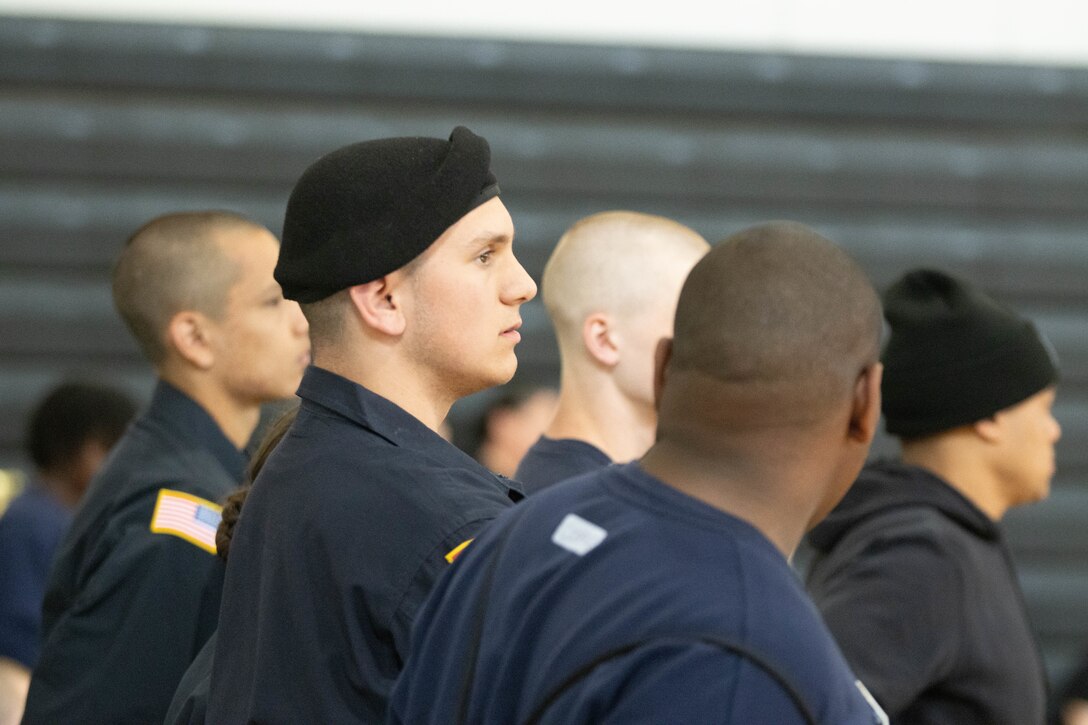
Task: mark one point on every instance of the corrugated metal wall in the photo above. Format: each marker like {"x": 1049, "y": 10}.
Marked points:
{"x": 979, "y": 169}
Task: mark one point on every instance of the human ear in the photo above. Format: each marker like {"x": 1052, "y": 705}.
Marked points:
{"x": 865, "y": 410}
{"x": 189, "y": 333}
{"x": 662, "y": 355}
{"x": 600, "y": 340}
{"x": 988, "y": 429}
{"x": 378, "y": 306}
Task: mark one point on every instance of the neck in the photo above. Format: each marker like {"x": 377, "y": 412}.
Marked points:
{"x": 952, "y": 456}
{"x": 236, "y": 419}
{"x": 746, "y": 481}
{"x": 595, "y": 411}
{"x": 385, "y": 376}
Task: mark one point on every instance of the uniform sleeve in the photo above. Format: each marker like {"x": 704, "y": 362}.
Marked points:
{"x": 677, "y": 683}
{"x": 434, "y": 566}
{"x": 30, "y": 532}
{"x": 145, "y": 611}
{"x": 894, "y": 612}
{"x": 21, "y": 590}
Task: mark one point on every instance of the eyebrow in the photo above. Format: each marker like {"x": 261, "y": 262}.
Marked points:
{"x": 490, "y": 238}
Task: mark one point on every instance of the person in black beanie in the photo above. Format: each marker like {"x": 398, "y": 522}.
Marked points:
{"x": 400, "y": 254}
{"x": 911, "y": 571}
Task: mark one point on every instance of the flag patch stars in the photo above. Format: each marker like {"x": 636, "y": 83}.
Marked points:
{"x": 577, "y": 535}
{"x": 187, "y": 517}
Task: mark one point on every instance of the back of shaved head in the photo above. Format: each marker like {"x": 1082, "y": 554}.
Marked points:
{"x": 614, "y": 262}
{"x": 171, "y": 264}
{"x": 779, "y": 315}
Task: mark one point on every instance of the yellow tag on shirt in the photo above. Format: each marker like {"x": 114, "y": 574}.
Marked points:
{"x": 456, "y": 551}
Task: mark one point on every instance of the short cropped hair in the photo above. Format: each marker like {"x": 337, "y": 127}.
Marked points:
{"x": 71, "y": 415}
{"x": 328, "y": 316}
{"x": 618, "y": 262}
{"x": 780, "y": 310}
{"x": 171, "y": 264}
{"x": 326, "y": 319}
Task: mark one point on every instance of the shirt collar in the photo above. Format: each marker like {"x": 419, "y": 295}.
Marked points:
{"x": 176, "y": 410}
{"x": 385, "y": 418}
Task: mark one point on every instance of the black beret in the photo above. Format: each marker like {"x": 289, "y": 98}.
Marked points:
{"x": 370, "y": 208}
{"x": 955, "y": 356}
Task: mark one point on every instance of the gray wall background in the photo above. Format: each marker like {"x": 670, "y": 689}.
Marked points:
{"x": 978, "y": 169}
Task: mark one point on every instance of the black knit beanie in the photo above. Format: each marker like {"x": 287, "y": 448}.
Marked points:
{"x": 955, "y": 356}
{"x": 370, "y": 208}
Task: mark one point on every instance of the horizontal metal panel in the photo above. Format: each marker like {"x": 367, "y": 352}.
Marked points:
{"x": 247, "y": 61}
{"x": 881, "y": 166}
{"x": 1034, "y": 259}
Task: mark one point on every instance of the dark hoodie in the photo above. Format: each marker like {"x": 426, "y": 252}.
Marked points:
{"x": 917, "y": 586}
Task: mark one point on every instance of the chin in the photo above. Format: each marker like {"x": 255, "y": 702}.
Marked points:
{"x": 463, "y": 382}
{"x": 504, "y": 373}
{"x": 470, "y": 387}
{"x": 501, "y": 379}
{"x": 1035, "y": 496}
{"x": 1044, "y": 493}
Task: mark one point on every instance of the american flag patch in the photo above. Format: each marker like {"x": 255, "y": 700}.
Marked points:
{"x": 188, "y": 517}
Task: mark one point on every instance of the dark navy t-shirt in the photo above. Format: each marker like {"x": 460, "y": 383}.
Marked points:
{"x": 551, "y": 460}
{"x": 30, "y": 531}
{"x": 615, "y": 598}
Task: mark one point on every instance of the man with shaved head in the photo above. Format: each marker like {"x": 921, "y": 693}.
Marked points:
{"x": 134, "y": 591}
{"x": 610, "y": 288}
{"x": 660, "y": 590}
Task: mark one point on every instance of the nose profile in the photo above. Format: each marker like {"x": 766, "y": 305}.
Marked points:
{"x": 521, "y": 287}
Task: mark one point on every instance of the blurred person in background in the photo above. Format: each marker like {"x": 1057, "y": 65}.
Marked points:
{"x": 610, "y": 288}
{"x": 134, "y": 591}
{"x": 911, "y": 570}
{"x": 1070, "y": 701}
{"x": 510, "y": 425}
{"x": 68, "y": 435}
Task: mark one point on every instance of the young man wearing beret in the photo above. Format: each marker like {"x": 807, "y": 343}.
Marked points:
{"x": 911, "y": 573}
{"x": 400, "y": 253}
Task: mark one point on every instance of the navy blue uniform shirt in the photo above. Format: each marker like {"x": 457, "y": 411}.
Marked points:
{"x": 351, "y": 520}
{"x": 551, "y": 460}
{"x": 135, "y": 588}
{"x": 190, "y": 703}
{"x": 613, "y": 598}
{"x": 30, "y": 531}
